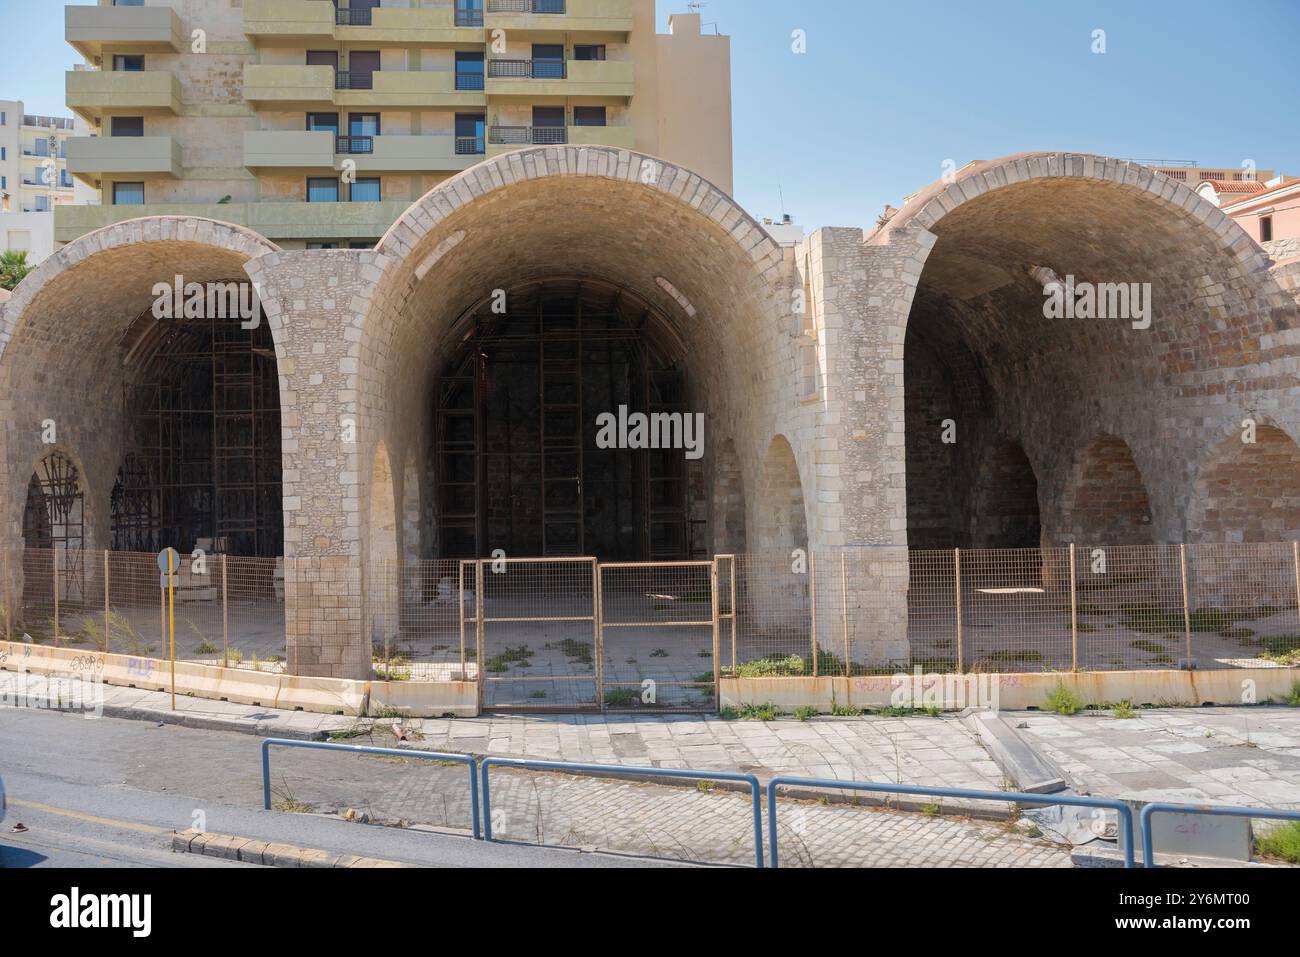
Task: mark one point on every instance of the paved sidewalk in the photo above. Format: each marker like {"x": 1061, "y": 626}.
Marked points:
{"x": 1248, "y": 756}
{"x": 918, "y": 750}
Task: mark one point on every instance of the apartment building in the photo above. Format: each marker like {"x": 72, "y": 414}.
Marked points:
{"x": 318, "y": 123}
{"x": 34, "y": 178}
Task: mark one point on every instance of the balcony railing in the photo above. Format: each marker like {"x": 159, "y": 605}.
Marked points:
{"x": 469, "y": 81}
{"x": 349, "y": 17}
{"x": 355, "y": 144}
{"x": 344, "y": 80}
{"x": 548, "y": 69}
{"x": 528, "y": 135}
{"x": 470, "y": 146}
{"x": 526, "y": 6}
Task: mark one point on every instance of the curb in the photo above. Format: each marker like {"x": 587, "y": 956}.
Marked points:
{"x": 268, "y": 853}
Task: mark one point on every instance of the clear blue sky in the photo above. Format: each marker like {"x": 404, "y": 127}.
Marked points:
{"x": 890, "y": 90}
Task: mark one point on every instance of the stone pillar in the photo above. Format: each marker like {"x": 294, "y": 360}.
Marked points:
{"x": 316, "y": 302}
{"x": 863, "y": 295}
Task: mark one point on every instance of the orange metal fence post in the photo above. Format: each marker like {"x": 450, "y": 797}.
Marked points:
{"x": 225, "y": 611}
{"x": 1074, "y": 614}
{"x": 961, "y": 652}
{"x": 107, "y": 612}
{"x": 1187, "y": 613}
{"x": 844, "y": 608}
{"x": 812, "y": 600}
{"x": 54, "y": 574}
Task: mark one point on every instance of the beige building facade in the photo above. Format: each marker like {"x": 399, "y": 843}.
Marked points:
{"x": 318, "y": 125}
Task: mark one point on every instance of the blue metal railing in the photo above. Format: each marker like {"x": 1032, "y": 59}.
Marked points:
{"x": 1123, "y": 810}
{"x": 755, "y": 789}
{"x": 1216, "y": 810}
{"x": 467, "y": 759}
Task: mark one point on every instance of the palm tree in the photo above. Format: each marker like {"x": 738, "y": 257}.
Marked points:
{"x": 13, "y": 267}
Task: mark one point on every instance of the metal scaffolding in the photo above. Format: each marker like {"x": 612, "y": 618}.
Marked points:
{"x": 203, "y": 459}
{"x": 517, "y": 466}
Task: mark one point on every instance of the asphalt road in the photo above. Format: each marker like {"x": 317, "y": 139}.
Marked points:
{"x": 109, "y": 793}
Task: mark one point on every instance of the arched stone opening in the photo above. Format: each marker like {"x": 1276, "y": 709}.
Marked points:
{"x": 545, "y": 289}
{"x": 53, "y": 557}
{"x": 1004, "y": 510}
{"x": 992, "y": 345}
{"x": 1106, "y": 501}
{"x": 781, "y": 518}
{"x": 1248, "y": 491}
{"x": 101, "y": 314}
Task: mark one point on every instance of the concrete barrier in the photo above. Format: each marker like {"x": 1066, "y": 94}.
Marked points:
{"x": 425, "y": 699}
{"x": 239, "y": 685}
{"x": 1015, "y": 692}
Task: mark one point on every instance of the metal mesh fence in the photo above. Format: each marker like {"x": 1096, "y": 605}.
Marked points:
{"x": 569, "y": 633}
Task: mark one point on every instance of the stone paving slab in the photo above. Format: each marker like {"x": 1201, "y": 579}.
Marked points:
{"x": 1249, "y": 756}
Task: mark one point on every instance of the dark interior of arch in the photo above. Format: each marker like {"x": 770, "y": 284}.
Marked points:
{"x": 980, "y": 352}
{"x": 515, "y": 462}
{"x": 202, "y": 465}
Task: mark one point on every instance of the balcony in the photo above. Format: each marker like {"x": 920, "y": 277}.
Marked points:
{"x": 298, "y": 23}
{"x": 573, "y": 16}
{"x": 290, "y": 87}
{"x": 413, "y": 154}
{"x": 97, "y": 32}
{"x": 93, "y": 157}
{"x": 534, "y": 78}
{"x": 276, "y": 221}
{"x": 289, "y": 23}
{"x": 92, "y": 92}
{"x": 407, "y": 26}
{"x": 412, "y": 89}
{"x": 503, "y": 139}
{"x": 517, "y": 136}
{"x": 286, "y": 150}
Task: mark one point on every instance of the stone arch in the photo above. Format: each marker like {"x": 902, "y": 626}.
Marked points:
{"x": 781, "y": 519}
{"x": 1248, "y": 492}
{"x": 71, "y": 313}
{"x": 660, "y": 233}
{"x": 981, "y": 252}
{"x": 1106, "y": 500}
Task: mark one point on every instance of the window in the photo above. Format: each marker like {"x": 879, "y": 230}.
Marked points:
{"x": 4, "y": 153}
{"x": 362, "y": 244}
{"x": 4, "y": 182}
{"x": 128, "y": 126}
{"x": 128, "y": 3}
{"x": 548, "y": 125}
{"x": 589, "y": 116}
{"x": 362, "y": 67}
{"x": 322, "y": 190}
{"x": 128, "y": 194}
{"x": 42, "y": 204}
{"x": 322, "y": 245}
{"x": 3, "y": 117}
{"x": 363, "y": 124}
{"x": 366, "y": 190}
{"x": 1266, "y": 229}
{"x": 469, "y": 13}
{"x": 469, "y": 71}
{"x": 469, "y": 134}
{"x": 323, "y": 58}
{"x": 128, "y": 64}
{"x": 589, "y": 51}
{"x": 323, "y": 123}
{"x": 548, "y": 61}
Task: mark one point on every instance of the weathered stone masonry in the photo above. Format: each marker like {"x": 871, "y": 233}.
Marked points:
{"x": 1121, "y": 435}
